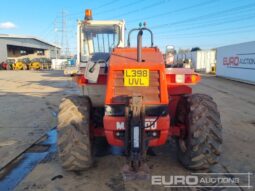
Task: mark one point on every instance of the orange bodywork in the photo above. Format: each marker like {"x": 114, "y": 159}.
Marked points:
{"x": 166, "y": 86}
{"x": 163, "y": 124}
{"x": 125, "y": 58}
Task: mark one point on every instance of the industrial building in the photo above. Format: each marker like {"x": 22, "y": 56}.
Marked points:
{"x": 19, "y": 46}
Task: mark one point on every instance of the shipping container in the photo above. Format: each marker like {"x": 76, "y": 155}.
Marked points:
{"x": 237, "y": 62}
{"x": 202, "y": 60}
{"x": 59, "y": 64}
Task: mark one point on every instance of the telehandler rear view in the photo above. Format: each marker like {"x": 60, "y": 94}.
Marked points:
{"x": 133, "y": 100}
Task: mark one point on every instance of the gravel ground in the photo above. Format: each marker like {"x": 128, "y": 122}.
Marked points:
{"x": 29, "y": 102}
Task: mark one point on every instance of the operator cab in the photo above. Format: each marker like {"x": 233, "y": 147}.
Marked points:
{"x": 96, "y": 40}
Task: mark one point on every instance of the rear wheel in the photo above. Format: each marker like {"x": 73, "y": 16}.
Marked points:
{"x": 74, "y": 144}
{"x": 200, "y": 147}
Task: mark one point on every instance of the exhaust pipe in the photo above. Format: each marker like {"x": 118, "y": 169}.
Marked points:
{"x": 139, "y": 41}
{"x": 139, "y": 46}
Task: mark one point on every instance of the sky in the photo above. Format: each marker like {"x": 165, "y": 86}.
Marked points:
{"x": 182, "y": 23}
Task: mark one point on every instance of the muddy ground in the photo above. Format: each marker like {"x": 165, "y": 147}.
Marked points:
{"x": 29, "y": 103}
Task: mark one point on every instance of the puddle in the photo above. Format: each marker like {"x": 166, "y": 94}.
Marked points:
{"x": 55, "y": 114}
{"x": 119, "y": 151}
{"x": 16, "y": 173}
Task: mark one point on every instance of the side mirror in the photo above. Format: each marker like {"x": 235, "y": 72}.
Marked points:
{"x": 92, "y": 71}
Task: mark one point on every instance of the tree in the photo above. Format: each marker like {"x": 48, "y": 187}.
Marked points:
{"x": 195, "y": 49}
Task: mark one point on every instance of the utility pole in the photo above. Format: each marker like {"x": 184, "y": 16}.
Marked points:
{"x": 60, "y": 26}
{"x": 62, "y": 30}
{"x": 64, "y": 37}
{"x": 56, "y": 38}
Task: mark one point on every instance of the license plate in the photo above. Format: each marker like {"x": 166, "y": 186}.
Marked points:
{"x": 136, "y": 77}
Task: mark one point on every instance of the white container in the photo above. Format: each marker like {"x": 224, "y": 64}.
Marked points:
{"x": 58, "y": 64}
{"x": 237, "y": 62}
{"x": 203, "y": 60}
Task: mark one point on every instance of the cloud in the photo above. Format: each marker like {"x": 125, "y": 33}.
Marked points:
{"x": 7, "y": 25}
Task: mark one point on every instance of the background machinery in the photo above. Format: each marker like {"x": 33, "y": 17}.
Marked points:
{"x": 22, "y": 64}
{"x": 3, "y": 66}
{"x": 46, "y": 63}
{"x": 35, "y": 64}
{"x": 135, "y": 102}
{"x": 169, "y": 56}
{"x": 10, "y": 64}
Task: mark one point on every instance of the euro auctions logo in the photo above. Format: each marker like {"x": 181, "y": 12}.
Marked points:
{"x": 208, "y": 180}
{"x": 231, "y": 61}
{"x": 244, "y": 61}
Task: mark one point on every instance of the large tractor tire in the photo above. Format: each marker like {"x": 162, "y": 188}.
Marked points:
{"x": 74, "y": 143}
{"x": 200, "y": 146}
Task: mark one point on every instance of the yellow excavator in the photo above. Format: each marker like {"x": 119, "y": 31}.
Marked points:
{"x": 35, "y": 64}
{"x": 22, "y": 64}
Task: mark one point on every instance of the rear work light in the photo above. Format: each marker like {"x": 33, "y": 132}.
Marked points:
{"x": 182, "y": 79}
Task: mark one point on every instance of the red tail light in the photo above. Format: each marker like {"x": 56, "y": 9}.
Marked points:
{"x": 182, "y": 79}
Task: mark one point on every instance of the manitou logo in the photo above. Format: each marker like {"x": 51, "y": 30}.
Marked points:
{"x": 149, "y": 124}
{"x": 120, "y": 125}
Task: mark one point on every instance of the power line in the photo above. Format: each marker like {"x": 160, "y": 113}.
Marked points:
{"x": 249, "y": 28}
{"x": 121, "y": 7}
{"x": 213, "y": 22}
{"x": 214, "y": 44}
{"x": 143, "y": 8}
{"x": 106, "y": 4}
{"x": 95, "y": 9}
{"x": 216, "y": 23}
{"x": 48, "y": 29}
{"x": 203, "y": 16}
{"x": 176, "y": 11}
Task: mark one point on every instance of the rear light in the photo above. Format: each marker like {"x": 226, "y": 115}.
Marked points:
{"x": 182, "y": 78}
{"x": 192, "y": 78}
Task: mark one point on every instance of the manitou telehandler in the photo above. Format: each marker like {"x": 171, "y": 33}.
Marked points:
{"x": 133, "y": 100}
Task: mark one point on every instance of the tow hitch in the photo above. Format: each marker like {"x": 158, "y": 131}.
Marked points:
{"x": 136, "y": 143}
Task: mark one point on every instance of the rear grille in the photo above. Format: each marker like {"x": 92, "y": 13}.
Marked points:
{"x": 150, "y": 93}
